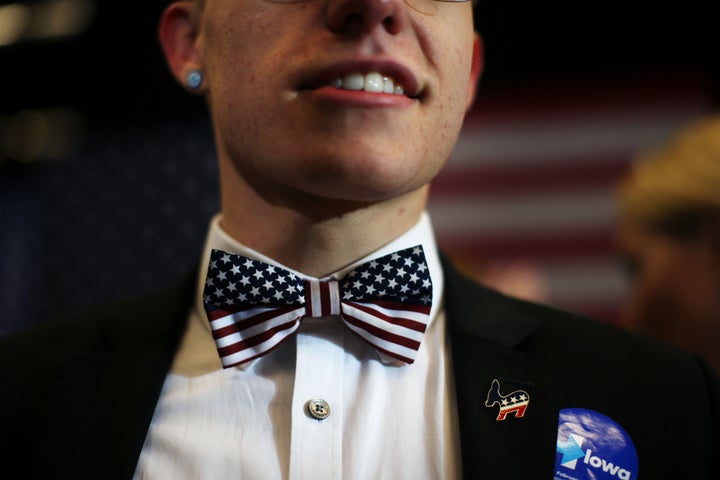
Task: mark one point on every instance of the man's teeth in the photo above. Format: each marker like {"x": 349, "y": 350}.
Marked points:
{"x": 370, "y": 82}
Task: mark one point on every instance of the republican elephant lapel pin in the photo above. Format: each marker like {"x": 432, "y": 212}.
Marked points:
{"x": 514, "y": 402}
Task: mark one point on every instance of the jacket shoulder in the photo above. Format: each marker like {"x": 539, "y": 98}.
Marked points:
{"x": 102, "y": 327}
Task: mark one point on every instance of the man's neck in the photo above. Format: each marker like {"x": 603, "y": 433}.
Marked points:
{"x": 314, "y": 235}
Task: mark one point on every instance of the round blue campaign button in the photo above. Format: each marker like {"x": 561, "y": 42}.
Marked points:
{"x": 591, "y": 446}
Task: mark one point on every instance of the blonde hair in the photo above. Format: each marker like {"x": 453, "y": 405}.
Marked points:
{"x": 676, "y": 189}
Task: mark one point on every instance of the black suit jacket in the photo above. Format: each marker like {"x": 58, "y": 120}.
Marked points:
{"x": 78, "y": 395}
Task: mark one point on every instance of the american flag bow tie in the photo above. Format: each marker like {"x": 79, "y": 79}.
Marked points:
{"x": 253, "y": 306}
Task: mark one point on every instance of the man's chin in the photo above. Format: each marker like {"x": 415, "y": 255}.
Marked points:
{"x": 369, "y": 180}
{"x": 363, "y": 190}
{"x": 339, "y": 200}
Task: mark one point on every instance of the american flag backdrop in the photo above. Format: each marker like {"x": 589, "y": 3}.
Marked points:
{"x": 526, "y": 200}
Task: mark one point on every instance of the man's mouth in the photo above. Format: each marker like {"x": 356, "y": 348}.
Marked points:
{"x": 385, "y": 78}
{"x": 369, "y": 82}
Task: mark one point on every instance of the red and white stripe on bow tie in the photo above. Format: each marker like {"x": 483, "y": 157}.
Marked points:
{"x": 392, "y": 328}
{"x": 322, "y": 298}
{"x": 253, "y": 306}
{"x": 242, "y": 335}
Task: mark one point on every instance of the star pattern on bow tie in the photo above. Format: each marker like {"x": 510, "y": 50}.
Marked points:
{"x": 271, "y": 285}
{"x": 259, "y": 282}
{"x": 252, "y": 306}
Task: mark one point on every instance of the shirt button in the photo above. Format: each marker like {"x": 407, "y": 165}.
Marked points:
{"x": 318, "y": 408}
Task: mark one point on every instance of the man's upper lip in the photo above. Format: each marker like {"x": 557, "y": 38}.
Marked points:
{"x": 401, "y": 74}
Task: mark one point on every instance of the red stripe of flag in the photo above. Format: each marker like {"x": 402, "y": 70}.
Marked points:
{"x": 251, "y": 321}
{"x": 324, "y": 299}
{"x": 308, "y": 298}
{"x": 399, "y": 306}
{"x": 400, "y": 321}
{"x": 383, "y": 334}
{"x": 257, "y": 339}
{"x": 546, "y": 176}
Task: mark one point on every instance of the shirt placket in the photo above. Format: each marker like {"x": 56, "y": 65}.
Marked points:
{"x": 317, "y": 404}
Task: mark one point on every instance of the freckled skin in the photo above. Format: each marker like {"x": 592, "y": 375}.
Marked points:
{"x": 311, "y": 181}
{"x": 254, "y": 50}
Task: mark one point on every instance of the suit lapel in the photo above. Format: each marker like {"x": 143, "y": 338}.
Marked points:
{"x": 103, "y": 402}
{"x": 487, "y": 333}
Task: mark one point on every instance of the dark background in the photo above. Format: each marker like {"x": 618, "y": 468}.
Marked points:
{"x": 126, "y": 210}
{"x": 115, "y": 70}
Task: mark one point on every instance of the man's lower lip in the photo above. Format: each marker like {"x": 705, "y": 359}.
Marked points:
{"x": 359, "y": 98}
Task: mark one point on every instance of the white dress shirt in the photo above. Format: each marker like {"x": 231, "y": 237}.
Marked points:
{"x": 387, "y": 420}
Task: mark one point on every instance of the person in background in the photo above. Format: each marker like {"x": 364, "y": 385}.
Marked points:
{"x": 669, "y": 236}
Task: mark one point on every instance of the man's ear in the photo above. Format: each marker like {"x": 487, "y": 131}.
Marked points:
{"x": 476, "y": 69}
{"x": 179, "y": 38}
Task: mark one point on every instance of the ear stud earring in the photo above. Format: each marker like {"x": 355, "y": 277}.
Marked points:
{"x": 194, "y": 79}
